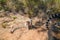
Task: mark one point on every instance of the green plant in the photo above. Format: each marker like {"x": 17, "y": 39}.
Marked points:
{"x": 14, "y": 17}
{"x": 4, "y": 25}
{"x": 2, "y": 2}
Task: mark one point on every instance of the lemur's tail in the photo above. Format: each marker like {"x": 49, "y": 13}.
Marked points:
{"x": 52, "y": 16}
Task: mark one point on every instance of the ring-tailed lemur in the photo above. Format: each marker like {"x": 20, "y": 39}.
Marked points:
{"x": 52, "y": 28}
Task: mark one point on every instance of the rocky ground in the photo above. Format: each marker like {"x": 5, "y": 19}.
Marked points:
{"x": 8, "y": 23}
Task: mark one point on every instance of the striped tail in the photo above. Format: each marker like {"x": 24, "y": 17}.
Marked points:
{"x": 52, "y": 16}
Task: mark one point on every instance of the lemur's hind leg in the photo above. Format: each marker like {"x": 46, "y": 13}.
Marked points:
{"x": 14, "y": 29}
